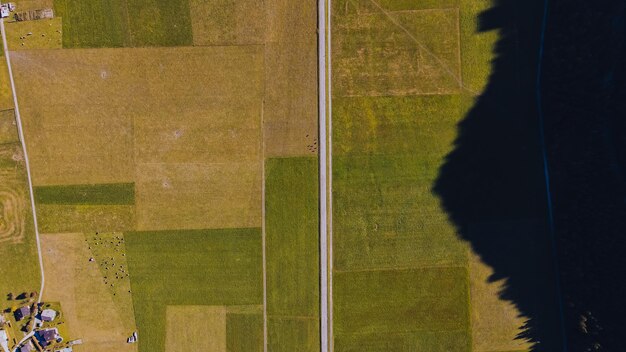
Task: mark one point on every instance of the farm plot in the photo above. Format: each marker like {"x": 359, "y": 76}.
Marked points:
{"x": 212, "y": 327}
{"x": 290, "y": 114}
{"x": 102, "y": 320}
{"x": 292, "y": 230}
{"x": 19, "y": 271}
{"x": 8, "y": 127}
{"x": 386, "y": 155}
{"x": 226, "y": 22}
{"x": 169, "y": 119}
{"x": 383, "y": 52}
{"x": 202, "y": 267}
{"x": 6, "y": 97}
{"x": 403, "y": 279}
{"x": 40, "y": 34}
{"x": 123, "y": 23}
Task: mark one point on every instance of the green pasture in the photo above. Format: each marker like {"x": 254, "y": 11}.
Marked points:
{"x": 244, "y": 332}
{"x": 95, "y": 194}
{"x": 120, "y": 23}
{"x": 194, "y": 267}
{"x": 292, "y": 249}
{"x": 387, "y": 153}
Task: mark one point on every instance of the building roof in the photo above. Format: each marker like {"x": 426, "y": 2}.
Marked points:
{"x": 48, "y": 334}
{"x": 48, "y": 315}
{"x": 22, "y": 312}
{"x": 27, "y": 347}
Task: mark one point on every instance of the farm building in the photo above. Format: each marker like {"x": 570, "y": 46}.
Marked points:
{"x": 66, "y": 349}
{"x": 4, "y": 11}
{"x": 34, "y": 15}
{"x": 22, "y": 312}
{"x": 48, "y": 315}
{"x": 47, "y": 336}
{"x": 28, "y": 347}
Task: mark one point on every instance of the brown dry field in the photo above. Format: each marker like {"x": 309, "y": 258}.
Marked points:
{"x": 87, "y": 304}
{"x": 196, "y": 195}
{"x": 8, "y": 127}
{"x": 204, "y": 326}
{"x": 495, "y": 322}
{"x": 227, "y": 22}
{"x": 290, "y": 110}
{"x": 170, "y": 119}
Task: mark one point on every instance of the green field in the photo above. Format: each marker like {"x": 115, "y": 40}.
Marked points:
{"x": 20, "y": 270}
{"x": 203, "y": 267}
{"x": 291, "y": 213}
{"x": 121, "y": 23}
{"x": 387, "y": 152}
{"x": 96, "y": 194}
{"x": 248, "y": 325}
{"x": 403, "y": 279}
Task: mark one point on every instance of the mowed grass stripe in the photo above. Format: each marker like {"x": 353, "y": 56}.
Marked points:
{"x": 291, "y": 218}
{"x": 431, "y": 341}
{"x": 287, "y": 335}
{"x": 195, "y": 267}
{"x": 124, "y": 23}
{"x": 292, "y": 233}
{"x": 393, "y": 302}
{"x": 93, "y": 24}
{"x": 93, "y": 194}
{"x": 244, "y": 332}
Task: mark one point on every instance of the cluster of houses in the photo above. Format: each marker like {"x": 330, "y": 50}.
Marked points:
{"x": 44, "y": 337}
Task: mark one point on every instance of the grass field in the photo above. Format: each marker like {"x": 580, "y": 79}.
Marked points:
{"x": 404, "y": 280}
{"x": 226, "y": 22}
{"x": 206, "y": 267}
{"x": 8, "y": 127}
{"x": 103, "y": 194}
{"x": 6, "y": 97}
{"x": 124, "y": 23}
{"x": 91, "y": 311}
{"x": 248, "y": 325}
{"x": 291, "y": 212}
{"x": 290, "y": 114}
{"x": 383, "y": 52}
{"x": 199, "y": 154}
{"x": 20, "y": 270}
{"x": 41, "y": 34}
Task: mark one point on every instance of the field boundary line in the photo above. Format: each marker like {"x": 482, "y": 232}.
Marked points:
{"x": 423, "y": 47}
{"x": 263, "y": 234}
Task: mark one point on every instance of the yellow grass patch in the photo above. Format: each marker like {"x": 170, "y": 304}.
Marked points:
{"x": 55, "y": 218}
{"x": 6, "y": 97}
{"x": 88, "y": 305}
{"x": 82, "y": 109}
{"x": 39, "y": 34}
{"x": 290, "y": 112}
{"x": 397, "y": 53}
{"x": 495, "y": 322}
{"x": 227, "y": 22}
{"x": 196, "y": 196}
{"x": 24, "y": 5}
{"x": 202, "y": 326}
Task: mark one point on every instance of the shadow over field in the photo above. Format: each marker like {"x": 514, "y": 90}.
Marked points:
{"x": 585, "y": 109}
{"x": 492, "y": 184}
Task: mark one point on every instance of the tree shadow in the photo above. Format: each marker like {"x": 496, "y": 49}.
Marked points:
{"x": 492, "y": 184}
{"x": 585, "y": 109}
